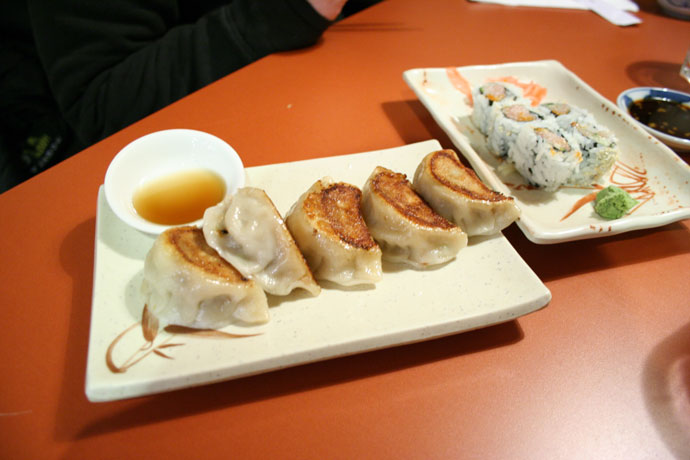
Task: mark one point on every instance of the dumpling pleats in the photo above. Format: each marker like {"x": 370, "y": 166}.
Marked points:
{"x": 327, "y": 224}
{"x": 455, "y": 192}
{"x": 187, "y": 283}
{"x": 247, "y": 230}
{"x": 407, "y": 229}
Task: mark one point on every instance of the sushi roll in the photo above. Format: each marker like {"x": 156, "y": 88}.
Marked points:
{"x": 598, "y": 145}
{"x": 546, "y": 156}
{"x": 564, "y": 114}
{"x": 507, "y": 122}
{"x": 599, "y": 149}
{"x": 489, "y": 97}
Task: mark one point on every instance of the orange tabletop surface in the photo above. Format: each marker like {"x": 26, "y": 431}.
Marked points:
{"x": 602, "y": 372}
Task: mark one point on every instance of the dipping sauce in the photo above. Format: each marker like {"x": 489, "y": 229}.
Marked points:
{"x": 179, "y": 198}
{"x": 669, "y": 117}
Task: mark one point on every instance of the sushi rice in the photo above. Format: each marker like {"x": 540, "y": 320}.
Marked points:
{"x": 550, "y": 145}
{"x": 506, "y": 124}
{"x": 546, "y": 156}
{"x": 489, "y": 97}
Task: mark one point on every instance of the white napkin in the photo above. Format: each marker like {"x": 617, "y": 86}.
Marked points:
{"x": 614, "y": 11}
{"x": 627, "y": 5}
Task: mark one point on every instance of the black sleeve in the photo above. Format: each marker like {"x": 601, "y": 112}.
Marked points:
{"x": 111, "y": 63}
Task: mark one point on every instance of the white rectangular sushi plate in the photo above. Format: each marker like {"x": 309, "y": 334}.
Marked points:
{"x": 488, "y": 283}
{"x": 660, "y": 178}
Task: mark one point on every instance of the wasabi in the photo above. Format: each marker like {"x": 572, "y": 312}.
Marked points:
{"x": 613, "y": 202}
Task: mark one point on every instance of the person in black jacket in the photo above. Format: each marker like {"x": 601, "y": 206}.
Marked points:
{"x": 79, "y": 70}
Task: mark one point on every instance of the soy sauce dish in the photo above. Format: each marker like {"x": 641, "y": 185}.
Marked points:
{"x": 169, "y": 178}
{"x": 663, "y": 112}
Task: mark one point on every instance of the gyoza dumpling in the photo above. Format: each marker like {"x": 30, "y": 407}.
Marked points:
{"x": 188, "y": 284}
{"x": 247, "y": 230}
{"x": 455, "y": 192}
{"x": 327, "y": 225}
{"x": 407, "y": 229}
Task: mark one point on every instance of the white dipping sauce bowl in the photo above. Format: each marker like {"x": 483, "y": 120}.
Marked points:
{"x": 163, "y": 153}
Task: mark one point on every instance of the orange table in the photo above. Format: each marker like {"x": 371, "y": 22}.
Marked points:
{"x": 602, "y": 372}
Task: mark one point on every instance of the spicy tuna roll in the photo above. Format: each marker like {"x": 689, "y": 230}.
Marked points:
{"x": 598, "y": 145}
{"x": 546, "y": 156}
{"x": 599, "y": 149}
{"x": 565, "y": 114}
{"x": 489, "y": 97}
{"x": 506, "y": 124}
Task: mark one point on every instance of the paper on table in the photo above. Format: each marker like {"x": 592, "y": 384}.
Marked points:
{"x": 613, "y": 11}
{"x": 627, "y": 5}
{"x": 612, "y": 14}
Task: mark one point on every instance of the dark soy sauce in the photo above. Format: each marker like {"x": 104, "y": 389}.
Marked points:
{"x": 667, "y": 116}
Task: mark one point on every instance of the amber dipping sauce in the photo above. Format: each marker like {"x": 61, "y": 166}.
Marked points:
{"x": 179, "y": 198}
{"x": 667, "y": 116}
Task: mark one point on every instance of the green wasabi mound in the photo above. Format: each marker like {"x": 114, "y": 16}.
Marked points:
{"x": 613, "y": 202}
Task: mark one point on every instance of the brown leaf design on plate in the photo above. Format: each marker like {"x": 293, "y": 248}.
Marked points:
{"x": 168, "y": 345}
{"x": 212, "y": 333}
{"x": 161, "y": 354}
{"x": 109, "y": 353}
{"x": 149, "y": 325}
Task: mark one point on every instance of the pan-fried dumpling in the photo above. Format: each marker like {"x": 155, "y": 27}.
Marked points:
{"x": 247, "y": 230}
{"x": 455, "y": 192}
{"x": 327, "y": 225}
{"x": 187, "y": 283}
{"x": 407, "y": 229}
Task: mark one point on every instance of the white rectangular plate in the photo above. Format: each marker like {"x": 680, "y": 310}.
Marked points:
{"x": 488, "y": 283}
{"x": 660, "y": 179}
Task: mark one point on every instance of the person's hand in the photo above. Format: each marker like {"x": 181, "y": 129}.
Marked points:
{"x": 329, "y": 9}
